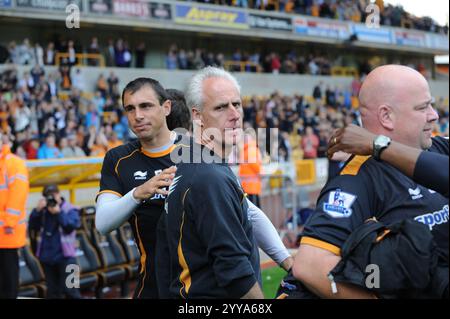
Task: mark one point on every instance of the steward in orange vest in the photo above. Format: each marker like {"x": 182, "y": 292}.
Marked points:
{"x": 14, "y": 190}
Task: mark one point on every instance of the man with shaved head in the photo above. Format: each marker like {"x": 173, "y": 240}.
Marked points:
{"x": 396, "y": 105}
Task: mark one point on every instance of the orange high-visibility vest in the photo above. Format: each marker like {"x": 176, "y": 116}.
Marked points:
{"x": 250, "y": 168}
{"x": 14, "y": 188}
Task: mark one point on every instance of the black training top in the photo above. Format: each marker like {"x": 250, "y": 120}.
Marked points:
{"x": 124, "y": 168}
{"x": 366, "y": 188}
{"x": 213, "y": 253}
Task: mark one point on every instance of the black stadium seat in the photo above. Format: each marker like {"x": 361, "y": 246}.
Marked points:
{"x": 31, "y": 276}
{"x": 88, "y": 261}
{"x": 126, "y": 239}
{"x": 115, "y": 266}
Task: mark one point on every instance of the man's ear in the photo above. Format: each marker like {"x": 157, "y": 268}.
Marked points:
{"x": 386, "y": 117}
{"x": 167, "y": 106}
{"x": 197, "y": 116}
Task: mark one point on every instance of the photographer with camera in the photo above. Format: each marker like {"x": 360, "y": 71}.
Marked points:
{"x": 55, "y": 221}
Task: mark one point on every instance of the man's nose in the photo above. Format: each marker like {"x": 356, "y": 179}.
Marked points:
{"x": 235, "y": 113}
{"x": 138, "y": 114}
{"x": 433, "y": 115}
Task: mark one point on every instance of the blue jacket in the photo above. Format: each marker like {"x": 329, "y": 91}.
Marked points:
{"x": 57, "y": 232}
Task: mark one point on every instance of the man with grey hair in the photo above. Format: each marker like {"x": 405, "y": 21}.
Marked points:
{"x": 396, "y": 104}
{"x": 210, "y": 240}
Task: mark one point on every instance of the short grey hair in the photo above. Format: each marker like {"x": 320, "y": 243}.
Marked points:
{"x": 194, "y": 90}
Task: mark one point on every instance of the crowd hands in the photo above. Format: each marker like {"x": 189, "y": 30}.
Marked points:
{"x": 344, "y": 10}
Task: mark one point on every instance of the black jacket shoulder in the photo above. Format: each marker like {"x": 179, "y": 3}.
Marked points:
{"x": 440, "y": 145}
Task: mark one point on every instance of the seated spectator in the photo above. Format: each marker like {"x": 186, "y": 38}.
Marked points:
{"x": 113, "y": 141}
{"x": 69, "y": 147}
{"x": 98, "y": 144}
{"x": 310, "y": 144}
{"x": 49, "y": 150}
{"x": 31, "y": 147}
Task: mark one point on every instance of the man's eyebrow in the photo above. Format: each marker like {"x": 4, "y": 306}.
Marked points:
{"x": 432, "y": 100}
{"x": 225, "y": 104}
{"x": 143, "y": 104}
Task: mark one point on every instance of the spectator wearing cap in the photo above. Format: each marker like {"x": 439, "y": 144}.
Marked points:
{"x": 49, "y": 150}
{"x": 55, "y": 221}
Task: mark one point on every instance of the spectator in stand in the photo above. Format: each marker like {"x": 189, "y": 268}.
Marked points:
{"x": 182, "y": 60}
{"x": 112, "y": 81}
{"x": 92, "y": 117}
{"x": 69, "y": 147}
{"x": 275, "y": 63}
{"x": 36, "y": 73}
{"x": 13, "y": 51}
{"x": 356, "y": 86}
{"x": 171, "y": 60}
{"x": 39, "y": 54}
{"x": 140, "y": 55}
{"x": 77, "y": 80}
{"x": 102, "y": 85}
{"x": 93, "y": 49}
{"x": 49, "y": 55}
{"x": 25, "y": 53}
{"x": 98, "y": 144}
{"x": 49, "y": 150}
{"x": 317, "y": 92}
{"x": 113, "y": 140}
{"x": 310, "y": 143}
{"x": 119, "y": 53}
{"x": 72, "y": 59}
{"x": 64, "y": 70}
{"x": 110, "y": 54}
{"x": 127, "y": 55}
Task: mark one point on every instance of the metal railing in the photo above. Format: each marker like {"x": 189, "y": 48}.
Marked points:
{"x": 82, "y": 58}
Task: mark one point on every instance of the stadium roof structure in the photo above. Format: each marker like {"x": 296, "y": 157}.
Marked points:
{"x": 68, "y": 173}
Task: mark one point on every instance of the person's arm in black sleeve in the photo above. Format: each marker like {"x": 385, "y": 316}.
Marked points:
{"x": 432, "y": 171}
{"x": 216, "y": 208}
{"x": 70, "y": 220}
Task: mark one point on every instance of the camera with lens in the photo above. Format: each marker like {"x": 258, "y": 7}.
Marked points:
{"x": 51, "y": 201}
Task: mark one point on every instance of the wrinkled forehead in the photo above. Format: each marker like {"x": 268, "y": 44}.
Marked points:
{"x": 218, "y": 91}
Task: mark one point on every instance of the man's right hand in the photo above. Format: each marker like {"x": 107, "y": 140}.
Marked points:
{"x": 351, "y": 139}
{"x": 41, "y": 205}
{"x": 156, "y": 185}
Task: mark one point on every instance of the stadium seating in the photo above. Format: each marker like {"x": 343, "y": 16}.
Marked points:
{"x": 31, "y": 275}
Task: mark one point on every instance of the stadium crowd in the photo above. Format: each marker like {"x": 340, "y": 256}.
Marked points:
{"x": 117, "y": 53}
{"x": 54, "y": 115}
{"x": 345, "y": 10}
{"x": 242, "y": 61}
